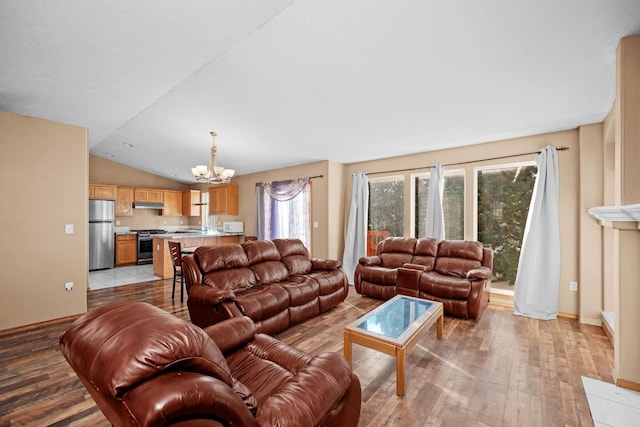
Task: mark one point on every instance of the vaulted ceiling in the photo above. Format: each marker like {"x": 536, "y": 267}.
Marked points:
{"x": 291, "y": 82}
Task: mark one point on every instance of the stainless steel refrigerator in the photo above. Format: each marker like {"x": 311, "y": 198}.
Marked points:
{"x": 101, "y": 236}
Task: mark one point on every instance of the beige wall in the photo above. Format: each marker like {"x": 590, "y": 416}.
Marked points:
{"x": 591, "y": 237}
{"x": 43, "y": 187}
{"x": 626, "y": 239}
{"x": 569, "y": 188}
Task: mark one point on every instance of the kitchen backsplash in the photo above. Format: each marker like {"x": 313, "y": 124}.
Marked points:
{"x": 151, "y": 218}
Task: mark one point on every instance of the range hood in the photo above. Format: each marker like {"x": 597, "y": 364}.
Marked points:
{"x": 148, "y": 205}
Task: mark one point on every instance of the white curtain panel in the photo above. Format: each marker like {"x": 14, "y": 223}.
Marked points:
{"x": 537, "y": 283}
{"x": 435, "y": 214}
{"x": 355, "y": 245}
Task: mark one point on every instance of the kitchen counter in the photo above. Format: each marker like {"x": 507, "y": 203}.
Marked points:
{"x": 195, "y": 233}
{"x": 162, "y": 264}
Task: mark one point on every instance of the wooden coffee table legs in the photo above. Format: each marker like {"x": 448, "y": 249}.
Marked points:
{"x": 399, "y": 351}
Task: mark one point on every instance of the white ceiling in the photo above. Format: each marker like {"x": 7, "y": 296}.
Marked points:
{"x": 291, "y": 82}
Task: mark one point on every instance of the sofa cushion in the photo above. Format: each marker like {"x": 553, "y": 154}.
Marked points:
{"x": 394, "y": 252}
{"x": 233, "y": 279}
{"x": 263, "y": 301}
{"x": 383, "y": 276}
{"x": 105, "y": 341}
{"x": 265, "y": 261}
{"x": 457, "y": 257}
{"x": 301, "y": 290}
{"x": 285, "y": 380}
{"x": 446, "y": 287}
{"x": 425, "y": 253}
{"x": 219, "y": 257}
{"x": 295, "y": 255}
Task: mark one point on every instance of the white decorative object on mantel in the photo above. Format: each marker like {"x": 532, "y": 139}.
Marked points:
{"x": 627, "y": 213}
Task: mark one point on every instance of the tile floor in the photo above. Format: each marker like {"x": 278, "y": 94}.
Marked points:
{"x": 101, "y": 279}
{"x": 611, "y": 405}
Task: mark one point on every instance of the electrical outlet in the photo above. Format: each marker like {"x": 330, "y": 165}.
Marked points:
{"x": 573, "y": 286}
{"x": 68, "y": 286}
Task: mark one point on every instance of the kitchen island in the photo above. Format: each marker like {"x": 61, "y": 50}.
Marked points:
{"x": 162, "y": 264}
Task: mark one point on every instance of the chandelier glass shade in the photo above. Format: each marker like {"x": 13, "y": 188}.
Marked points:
{"x": 213, "y": 173}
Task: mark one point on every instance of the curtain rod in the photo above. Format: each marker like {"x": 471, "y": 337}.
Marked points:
{"x": 467, "y": 162}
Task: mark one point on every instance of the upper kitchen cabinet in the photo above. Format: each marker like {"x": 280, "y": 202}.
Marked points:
{"x": 191, "y": 203}
{"x": 223, "y": 200}
{"x": 172, "y": 203}
{"x": 148, "y": 195}
{"x": 124, "y": 201}
{"x": 102, "y": 191}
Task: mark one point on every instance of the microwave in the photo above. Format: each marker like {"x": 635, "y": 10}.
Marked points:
{"x": 233, "y": 227}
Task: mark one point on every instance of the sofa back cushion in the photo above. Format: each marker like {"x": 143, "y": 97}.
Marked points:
{"x": 457, "y": 257}
{"x": 265, "y": 261}
{"x": 121, "y": 345}
{"x": 225, "y": 267}
{"x": 394, "y": 252}
{"x": 295, "y": 256}
{"x": 425, "y": 253}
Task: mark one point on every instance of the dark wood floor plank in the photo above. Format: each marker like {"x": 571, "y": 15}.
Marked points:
{"x": 501, "y": 370}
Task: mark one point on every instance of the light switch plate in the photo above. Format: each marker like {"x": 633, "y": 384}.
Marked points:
{"x": 68, "y": 228}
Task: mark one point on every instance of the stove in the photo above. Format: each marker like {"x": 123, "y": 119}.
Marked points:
{"x": 145, "y": 245}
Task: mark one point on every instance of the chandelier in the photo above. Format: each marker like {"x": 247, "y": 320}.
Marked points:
{"x": 213, "y": 173}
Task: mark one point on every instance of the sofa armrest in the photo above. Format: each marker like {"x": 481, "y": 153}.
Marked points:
{"x": 408, "y": 281}
{"x": 231, "y": 334}
{"x": 370, "y": 260}
{"x": 480, "y": 273}
{"x": 418, "y": 267}
{"x": 207, "y": 295}
{"x": 179, "y": 396}
{"x": 325, "y": 264}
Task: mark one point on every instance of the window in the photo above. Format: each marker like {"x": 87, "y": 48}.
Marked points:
{"x": 452, "y": 204}
{"x": 503, "y": 198}
{"x": 386, "y": 205}
{"x": 284, "y": 210}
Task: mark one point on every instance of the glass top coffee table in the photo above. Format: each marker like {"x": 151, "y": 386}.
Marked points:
{"x": 393, "y": 328}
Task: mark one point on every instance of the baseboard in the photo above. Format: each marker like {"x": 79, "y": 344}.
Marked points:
{"x": 631, "y": 385}
{"x": 505, "y": 299}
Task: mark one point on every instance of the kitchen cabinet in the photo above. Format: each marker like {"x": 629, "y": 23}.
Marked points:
{"x": 191, "y": 203}
{"x": 102, "y": 191}
{"x": 172, "y": 203}
{"x": 124, "y": 201}
{"x": 223, "y": 200}
{"x": 148, "y": 195}
{"x": 126, "y": 249}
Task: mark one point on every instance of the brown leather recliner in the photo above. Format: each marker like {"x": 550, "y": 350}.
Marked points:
{"x": 454, "y": 272}
{"x": 146, "y": 367}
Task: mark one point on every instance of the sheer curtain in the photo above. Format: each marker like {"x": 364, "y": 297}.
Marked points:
{"x": 435, "y": 214}
{"x": 355, "y": 244}
{"x": 537, "y": 283}
{"x": 283, "y": 210}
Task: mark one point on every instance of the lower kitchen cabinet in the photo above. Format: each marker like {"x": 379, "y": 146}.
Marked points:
{"x": 126, "y": 249}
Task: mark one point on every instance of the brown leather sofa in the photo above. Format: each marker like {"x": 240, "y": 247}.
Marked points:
{"x": 146, "y": 367}
{"x": 275, "y": 283}
{"x": 454, "y": 272}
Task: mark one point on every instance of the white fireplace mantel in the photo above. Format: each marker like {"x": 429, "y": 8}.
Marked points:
{"x": 625, "y": 217}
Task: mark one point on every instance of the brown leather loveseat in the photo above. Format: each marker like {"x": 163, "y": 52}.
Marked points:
{"x": 146, "y": 367}
{"x": 454, "y": 272}
{"x": 275, "y": 283}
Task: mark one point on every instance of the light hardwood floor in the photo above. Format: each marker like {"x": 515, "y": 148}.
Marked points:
{"x": 503, "y": 370}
